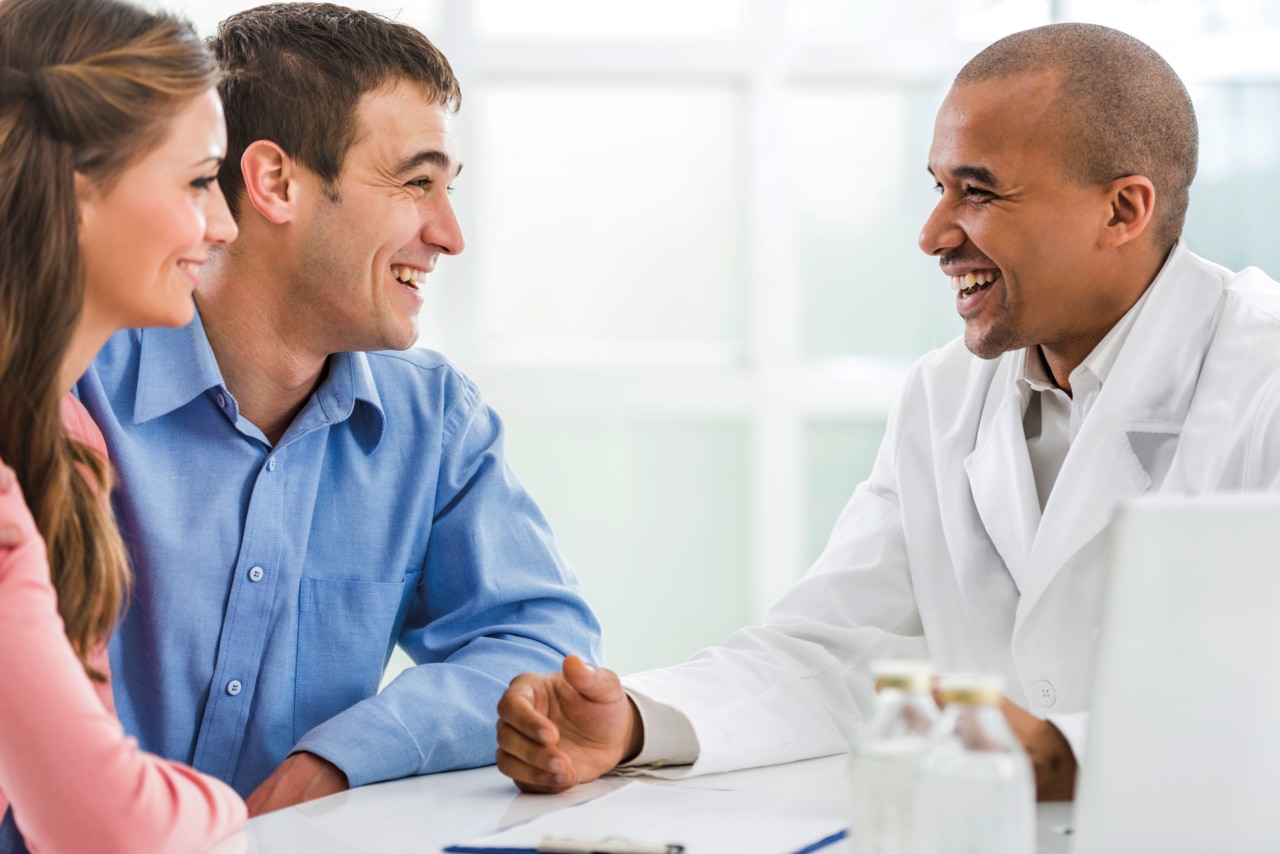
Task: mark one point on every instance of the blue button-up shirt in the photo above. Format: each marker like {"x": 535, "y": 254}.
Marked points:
{"x": 273, "y": 583}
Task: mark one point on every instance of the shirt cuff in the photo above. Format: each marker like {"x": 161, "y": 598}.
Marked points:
{"x": 669, "y": 738}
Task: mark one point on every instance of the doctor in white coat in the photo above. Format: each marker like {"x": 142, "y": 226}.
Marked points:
{"x": 1101, "y": 359}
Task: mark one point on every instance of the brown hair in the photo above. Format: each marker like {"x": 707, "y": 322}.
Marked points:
{"x": 1124, "y": 109}
{"x": 86, "y": 86}
{"x": 294, "y": 73}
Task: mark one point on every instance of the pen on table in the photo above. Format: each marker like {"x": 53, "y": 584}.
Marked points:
{"x": 604, "y": 846}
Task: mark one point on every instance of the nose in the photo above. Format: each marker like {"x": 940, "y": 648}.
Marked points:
{"x": 442, "y": 229}
{"x": 941, "y": 234}
{"x": 219, "y": 225}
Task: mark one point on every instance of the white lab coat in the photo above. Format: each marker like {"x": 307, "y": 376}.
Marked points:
{"x": 919, "y": 563}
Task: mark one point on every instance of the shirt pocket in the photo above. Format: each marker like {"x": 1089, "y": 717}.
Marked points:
{"x": 346, "y": 630}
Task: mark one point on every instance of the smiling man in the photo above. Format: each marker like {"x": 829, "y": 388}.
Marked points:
{"x": 1101, "y": 359}
{"x": 294, "y": 505}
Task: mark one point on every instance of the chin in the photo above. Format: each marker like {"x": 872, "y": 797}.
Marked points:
{"x": 988, "y": 345}
{"x": 179, "y": 316}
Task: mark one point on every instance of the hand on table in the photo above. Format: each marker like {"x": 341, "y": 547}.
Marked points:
{"x": 300, "y": 777}
{"x": 556, "y": 730}
{"x": 10, "y": 534}
{"x": 1050, "y": 752}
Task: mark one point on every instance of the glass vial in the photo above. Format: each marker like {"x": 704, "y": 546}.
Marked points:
{"x": 885, "y": 756}
{"x": 976, "y": 791}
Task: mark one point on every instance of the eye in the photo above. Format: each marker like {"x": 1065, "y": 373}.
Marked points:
{"x": 204, "y": 182}
{"x": 979, "y": 195}
{"x": 937, "y": 187}
{"x": 421, "y": 183}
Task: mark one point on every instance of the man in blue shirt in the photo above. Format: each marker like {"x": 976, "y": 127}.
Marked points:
{"x": 294, "y": 505}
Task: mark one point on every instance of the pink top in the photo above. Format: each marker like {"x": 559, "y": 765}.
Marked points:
{"x": 75, "y": 781}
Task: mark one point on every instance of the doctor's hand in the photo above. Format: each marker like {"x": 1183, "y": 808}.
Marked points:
{"x": 10, "y": 534}
{"x": 556, "y": 730}
{"x": 1050, "y": 753}
{"x": 299, "y": 778}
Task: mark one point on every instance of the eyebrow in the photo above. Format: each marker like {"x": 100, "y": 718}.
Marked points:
{"x": 977, "y": 174}
{"x": 435, "y": 158}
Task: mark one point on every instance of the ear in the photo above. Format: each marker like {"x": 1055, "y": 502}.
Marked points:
{"x": 86, "y": 193}
{"x": 1132, "y": 200}
{"x": 270, "y": 180}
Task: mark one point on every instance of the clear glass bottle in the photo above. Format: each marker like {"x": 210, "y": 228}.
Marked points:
{"x": 885, "y": 756}
{"x": 976, "y": 792}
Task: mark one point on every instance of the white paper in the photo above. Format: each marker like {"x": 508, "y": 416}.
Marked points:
{"x": 704, "y": 821}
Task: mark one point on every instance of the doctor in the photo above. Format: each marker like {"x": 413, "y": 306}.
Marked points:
{"x": 1101, "y": 359}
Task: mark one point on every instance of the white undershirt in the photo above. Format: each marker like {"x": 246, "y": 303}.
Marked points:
{"x": 1051, "y": 418}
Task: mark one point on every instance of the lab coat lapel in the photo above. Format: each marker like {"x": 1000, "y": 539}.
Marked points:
{"x": 999, "y": 471}
{"x": 1127, "y": 440}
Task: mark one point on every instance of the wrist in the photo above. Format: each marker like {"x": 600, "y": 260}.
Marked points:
{"x": 633, "y": 742}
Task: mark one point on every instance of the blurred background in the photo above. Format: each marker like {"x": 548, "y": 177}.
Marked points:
{"x": 691, "y": 283}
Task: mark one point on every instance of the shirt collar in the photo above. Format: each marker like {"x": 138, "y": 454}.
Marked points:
{"x": 178, "y": 365}
{"x": 350, "y": 380}
{"x": 1099, "y": 362}
{"x": 175, "y": 367}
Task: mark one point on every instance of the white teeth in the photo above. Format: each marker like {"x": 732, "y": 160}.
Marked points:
{"x": 409, "y": 275}
{"x": 969, "y": 281}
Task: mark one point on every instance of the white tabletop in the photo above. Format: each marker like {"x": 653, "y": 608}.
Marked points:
{"x": 425, "y": 814}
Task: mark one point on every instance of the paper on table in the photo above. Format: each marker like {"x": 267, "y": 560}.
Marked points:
{"x": 704, "y": 821}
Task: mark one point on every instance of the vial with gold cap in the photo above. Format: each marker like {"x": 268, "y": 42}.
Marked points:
{"x": 885, "y": 755}
{"x": 976, "y": 790}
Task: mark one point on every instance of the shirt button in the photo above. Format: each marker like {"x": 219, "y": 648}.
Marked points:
{"x": 222, "y": 401}
{"x": 271, "y": 464}
{"x": 233, "y": 687}
{"x": 1046, "y": 694}
{"x": 256, "y": 573}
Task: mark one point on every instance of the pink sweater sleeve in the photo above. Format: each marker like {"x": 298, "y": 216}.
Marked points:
{"x": 73, "y": 779}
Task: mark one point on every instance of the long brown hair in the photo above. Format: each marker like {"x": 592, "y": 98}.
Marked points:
{"x": 86, "y": 86}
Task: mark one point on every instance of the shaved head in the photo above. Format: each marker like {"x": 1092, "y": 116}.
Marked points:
{"x": 1123, "y": 109}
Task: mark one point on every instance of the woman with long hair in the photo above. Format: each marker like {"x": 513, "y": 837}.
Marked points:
{"x": 111, "y": 135}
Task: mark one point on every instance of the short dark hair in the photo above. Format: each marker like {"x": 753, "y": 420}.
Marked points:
{"x": 1125, "y": 110}
{"x": 294, "y": 74}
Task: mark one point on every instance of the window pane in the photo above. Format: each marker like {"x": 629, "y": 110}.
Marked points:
{"x": 859, "y": 157}
{"x": 572, "y": 20}
{"x": 1161, "y": 19}
{"x": 838, "y": 457}
{"x": 654, "y": 519}
{"x": 974, "y": 20}
{"x": 1234, "y": 209}
{"x": 610, "y": 223}
{"x": 206, "y": 14}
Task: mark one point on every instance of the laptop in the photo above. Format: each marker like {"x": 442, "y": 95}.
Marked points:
{"x": 1183, "y": 752}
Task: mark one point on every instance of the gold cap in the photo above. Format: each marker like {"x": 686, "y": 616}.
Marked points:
{"x": 974, "y": 689}
{"x": 902, "y": 675}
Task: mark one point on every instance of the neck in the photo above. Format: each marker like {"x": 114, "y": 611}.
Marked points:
{"x": 263, "y": 360}
{"x": 87, "y": 340}
{"x": 1136, "y": 272}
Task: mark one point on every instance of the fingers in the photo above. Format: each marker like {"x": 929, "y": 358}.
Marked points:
{"x": 595, "y": 683}
{"x": 10, "y": 536}
{"x": 531, "y": 778}
{"x": 516, "y": 709}
{"x": 532, "y": 762}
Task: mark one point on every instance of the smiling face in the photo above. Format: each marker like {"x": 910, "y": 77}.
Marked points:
{"x": 1018, "y": 239}
{"x": 362, "y": 260}
{"x": 144, "y": 236}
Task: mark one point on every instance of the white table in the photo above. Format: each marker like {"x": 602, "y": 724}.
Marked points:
{"x": 423, "y": 814}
